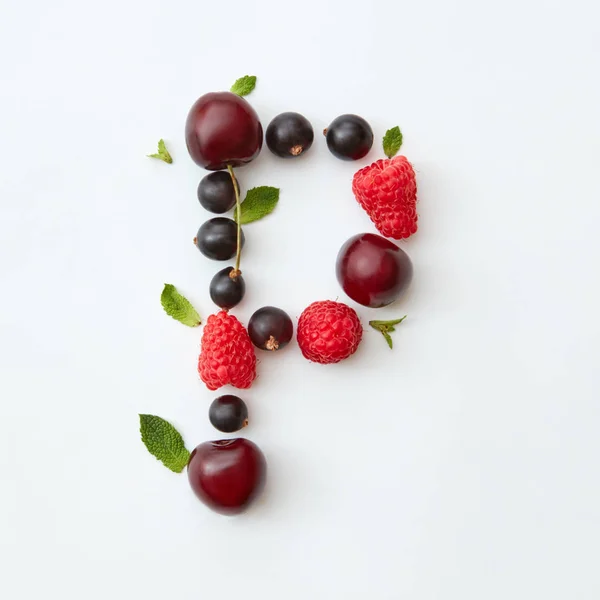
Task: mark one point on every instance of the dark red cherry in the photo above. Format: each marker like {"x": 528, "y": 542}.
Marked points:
{"x": 223, "y": 129}
{"x": 372, "y": 270}
{"x": 227, "y": 475}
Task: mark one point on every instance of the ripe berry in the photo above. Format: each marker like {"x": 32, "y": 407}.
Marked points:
{"x": 217, "y": 238}
{"x": 227, "y": 475}
{"x": 372, "y": 270}
{"x": 226, "y": 353}
{"x": 349, "y": 137}
{"x": 289, "y": 134}
{"x": 328, "y": 332}
{"x": 387, "y": 190}
{"x": 222, "y": 129}
{"x": 228, "y": 413}
{"x": 216, "y": 193}
{"x": 227, "y": 288}
{"x": 270, "y": 328}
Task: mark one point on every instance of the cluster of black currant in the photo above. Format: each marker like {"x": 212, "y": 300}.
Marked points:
{"x": 289, "y": 134}
{"x": 349, "y": 137}
{"x": 217, "y": 238}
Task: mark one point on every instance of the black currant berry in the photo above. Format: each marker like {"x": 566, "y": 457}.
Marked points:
{"x": 289, "y": 134}
{"x": 217, "y": 238}
{"x": 227, "y": 288}
{"x": 349, "y": 137}
{"x": 216, "y": 193}
{"x": 228, "y": 413}
{"x": 270, "y": 328}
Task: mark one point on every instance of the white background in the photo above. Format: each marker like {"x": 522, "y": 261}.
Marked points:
{"x": 461, "y": 465}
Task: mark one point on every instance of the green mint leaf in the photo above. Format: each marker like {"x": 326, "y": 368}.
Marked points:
{"x": 388, "y": 339}
{"x": 260, "y": 201}
{"x": 163, "y": 153}
{"x": 392, "y": 140}
{"x": 244, "y": 85}
{"x": 164, "y": 442}
{"x": 386, "y": 327}
{"x": 179, "y": 307}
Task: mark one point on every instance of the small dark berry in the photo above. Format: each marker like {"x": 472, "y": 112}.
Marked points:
{"x": 217, "y": 238}
{"x": 216, "y": 193}
{"x": 349, "y": 137}
{"x": 228, "y": 413}
{"x": 227, "y": 288}
{"x": 270, "y": 328}
{"x": 289, "y": 134}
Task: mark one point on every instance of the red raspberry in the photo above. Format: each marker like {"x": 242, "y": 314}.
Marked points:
{"x": 387, "y": 190}
{"x": 328, "y": 332}
{"x": 226, "y": 353}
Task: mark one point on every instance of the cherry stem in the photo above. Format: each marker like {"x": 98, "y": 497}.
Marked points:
{"x": 238, "y": 210}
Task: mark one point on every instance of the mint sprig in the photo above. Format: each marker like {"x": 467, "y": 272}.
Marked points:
{"x": 387, "y": 327}
{"x": 244, "y": 85}
{"x": 260, "y": 201}
{"x": 164, "y": 442}
{"x": 179, "y": 307}
{"x": 392, "y": 140}
{"x": 163, "y": 153}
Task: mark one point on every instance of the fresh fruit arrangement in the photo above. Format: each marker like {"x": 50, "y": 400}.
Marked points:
{"x": 222, "y": 133}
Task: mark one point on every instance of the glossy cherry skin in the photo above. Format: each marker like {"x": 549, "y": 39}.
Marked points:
{"x": 222, "y": 129}
{"x": 372, "y": 270}
{"x": 227, "y": 475}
